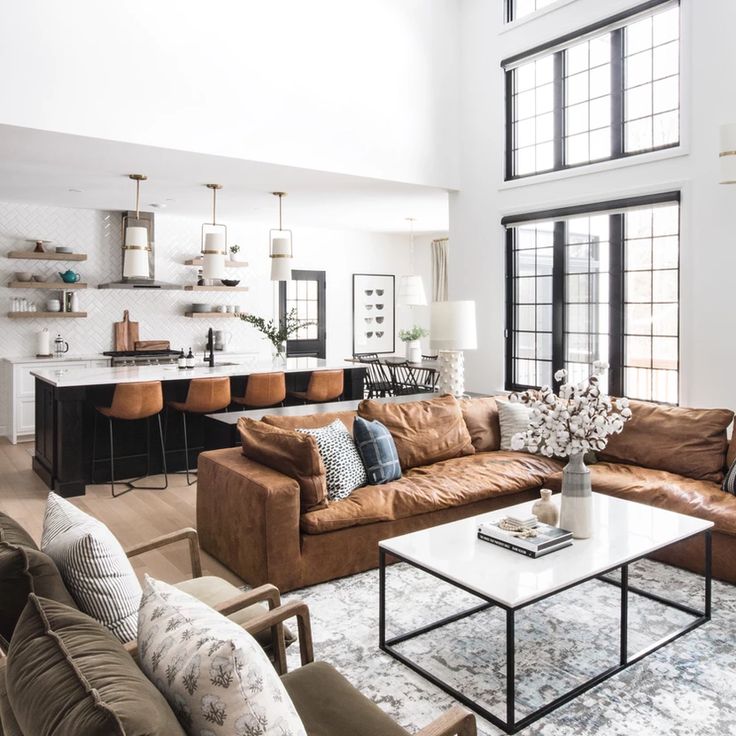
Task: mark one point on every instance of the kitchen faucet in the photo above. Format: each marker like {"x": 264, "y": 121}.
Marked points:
{"x": 209, "y": 356}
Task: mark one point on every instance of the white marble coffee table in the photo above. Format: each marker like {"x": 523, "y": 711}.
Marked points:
{"x": 624, "y": 532}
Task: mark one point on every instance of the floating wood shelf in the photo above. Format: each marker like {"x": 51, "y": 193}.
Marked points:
{"x": 210, "y": 315}
{"x": 228, "y": 263}
{"x": 46, "y": 315}
{"x": 216, "y": 288}
{"x": 30, "y": 255}
{"x": 55, "y": 285}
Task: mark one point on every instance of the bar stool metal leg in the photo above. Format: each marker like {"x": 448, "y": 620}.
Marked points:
{"x": 190, "y": 482}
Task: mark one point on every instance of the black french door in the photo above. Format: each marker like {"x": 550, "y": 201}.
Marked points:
{"x": 306, "y": 294}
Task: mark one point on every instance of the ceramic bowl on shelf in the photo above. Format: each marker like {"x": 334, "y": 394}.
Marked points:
{"x": 53, "y": 305}
{"x": 230, "y": 282}
{"x": 202, "y": 307}
{"x": 23, "y": 276}
{"x": 39, "y": 279}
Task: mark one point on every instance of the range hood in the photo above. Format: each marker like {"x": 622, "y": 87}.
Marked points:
{"x": 142, "y": 283}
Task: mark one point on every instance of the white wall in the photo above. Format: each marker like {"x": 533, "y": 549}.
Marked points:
{"x": 708, "y": 256}
{"x": 365, "y": 88}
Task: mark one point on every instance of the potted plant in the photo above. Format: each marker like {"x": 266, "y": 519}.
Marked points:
{"x": 579, "y": 419}
{"x": 412, "y": 337}
{"x": 277, "y": 332}
{"x": 234, "y": 250}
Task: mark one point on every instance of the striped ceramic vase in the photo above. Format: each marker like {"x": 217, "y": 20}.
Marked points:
{"x": 576, "y": 503}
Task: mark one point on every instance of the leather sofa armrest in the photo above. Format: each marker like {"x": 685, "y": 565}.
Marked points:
{"x": 248, "y": 518}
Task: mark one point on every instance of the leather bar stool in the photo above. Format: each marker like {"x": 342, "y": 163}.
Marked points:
{"x": 323, "y": 386}
{"x": 132, "y": 402}
{"x": 262, "y": 390}
{"x": 204, "y": 396}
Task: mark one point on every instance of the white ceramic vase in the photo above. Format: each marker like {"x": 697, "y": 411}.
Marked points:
{"x": 576, "y": 502}
{"x": 414, "y": 351}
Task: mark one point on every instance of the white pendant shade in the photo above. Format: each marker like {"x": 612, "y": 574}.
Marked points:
{"x": 453, "y": 325}
{"x": 135, "y": 261}
{"x": 136, "y": 236}
{"x": 411, "y": 291}
{"x": 728, "y": 154}
{"x": 215, "y": 242}
{"x": 281, "y": 269}
{"x": 281, "y": 247}
{"x": 213, "y": 266}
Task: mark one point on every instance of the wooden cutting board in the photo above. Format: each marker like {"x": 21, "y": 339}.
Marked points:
{"x": 152, "y": 345}
{"x": 126, "y": 333}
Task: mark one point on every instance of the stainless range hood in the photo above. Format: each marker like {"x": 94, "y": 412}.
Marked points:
{"x": 141, "y": 283}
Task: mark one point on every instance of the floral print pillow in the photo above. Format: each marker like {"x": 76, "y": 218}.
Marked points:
{"x": 214, "y": 674}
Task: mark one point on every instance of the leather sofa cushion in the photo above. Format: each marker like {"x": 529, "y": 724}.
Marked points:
{"x": 67, "y": 674}
{"x": 289, "y": 452}
{"x": 699, "y": 498}
{"x": 329, "y": 705}
{"x": 689, "y": 442}
{"x": 454, "y": 482}
{"x": 424, "y": 431}
{"x": 481, "y": 419}
{"x": 310, "y": 421}
{"x": 24, "y": 569}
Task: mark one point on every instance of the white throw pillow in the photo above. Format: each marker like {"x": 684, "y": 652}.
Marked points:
{"x": 214, "y": 674}
{"x": 344, "y": 469}
{"x": 513, "y": 418}
{"x": 93, "y": 565}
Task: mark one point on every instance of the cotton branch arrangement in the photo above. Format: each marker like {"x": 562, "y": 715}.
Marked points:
{"x": 580, "y": 419}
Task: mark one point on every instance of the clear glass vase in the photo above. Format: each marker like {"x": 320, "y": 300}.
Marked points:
{"x": 279, "y": 355}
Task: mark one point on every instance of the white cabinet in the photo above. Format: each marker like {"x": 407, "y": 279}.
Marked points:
{"x": 21, "y": 393}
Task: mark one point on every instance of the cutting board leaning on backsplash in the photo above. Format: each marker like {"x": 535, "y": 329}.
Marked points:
{"x": 126, "y": 333}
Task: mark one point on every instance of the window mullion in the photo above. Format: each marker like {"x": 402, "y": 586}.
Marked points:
{"x": 616, "y": 309}
{"x": 559, "y": 110}
{"x": 558, "y": 298}
{"x": 617, "y": 93}
{"x": 511, "y": 377}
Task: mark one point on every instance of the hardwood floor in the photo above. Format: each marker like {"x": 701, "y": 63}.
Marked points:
{"x": 134, "y": 518}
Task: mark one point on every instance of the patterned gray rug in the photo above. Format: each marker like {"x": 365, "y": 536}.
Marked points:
{"x": 685, "y": 688}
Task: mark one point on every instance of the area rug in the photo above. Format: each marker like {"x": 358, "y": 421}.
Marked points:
{"x": 686, "y": 688}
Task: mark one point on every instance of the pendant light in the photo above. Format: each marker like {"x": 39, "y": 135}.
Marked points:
{"x": 280, "y": 248}
{"x": 214, "y": 242}
{"x": 411, "y": 287}
{"x": 136, "y": 245}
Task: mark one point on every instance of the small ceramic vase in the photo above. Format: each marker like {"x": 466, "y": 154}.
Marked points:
{"x": 545, "y": 509}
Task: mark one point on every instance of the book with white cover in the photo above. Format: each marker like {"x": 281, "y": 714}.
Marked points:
{"x": 546, "y": 536}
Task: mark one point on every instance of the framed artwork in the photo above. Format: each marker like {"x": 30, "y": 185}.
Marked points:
{"x": 374, "y": 313}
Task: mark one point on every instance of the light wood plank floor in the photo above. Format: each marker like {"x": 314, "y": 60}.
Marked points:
{"x": 136, "y": 517}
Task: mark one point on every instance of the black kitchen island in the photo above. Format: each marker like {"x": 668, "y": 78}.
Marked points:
{"x": 65, "y": 418}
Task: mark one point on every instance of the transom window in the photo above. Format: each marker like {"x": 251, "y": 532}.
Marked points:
{"x": 596, "y": 283}
{"x": 608, "y": 91}
{"x": 520, "y": 8}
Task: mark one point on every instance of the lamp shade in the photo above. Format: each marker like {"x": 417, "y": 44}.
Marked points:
{"x": 135, "y": 261}
{"x": 453, "y": 325}
{"x": 411, "y": 291}
{"x": 281, "y": 269}
{"x": 215, "y": 242}
{"x": 213, "y": 265}
{"x": 136, "y": 237}
{"x": 281, "y": 246}
{"x": 727, "y": 154}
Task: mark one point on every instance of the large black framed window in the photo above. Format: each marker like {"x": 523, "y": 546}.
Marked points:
{"x": 606, "y": 91}
{"x": 596, "y": 282}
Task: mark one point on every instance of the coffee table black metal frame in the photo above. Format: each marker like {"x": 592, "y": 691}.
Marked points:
{"x": 511, "y": 724}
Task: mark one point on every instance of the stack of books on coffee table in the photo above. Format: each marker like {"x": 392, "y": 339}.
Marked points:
{"x": 542, "y": 540}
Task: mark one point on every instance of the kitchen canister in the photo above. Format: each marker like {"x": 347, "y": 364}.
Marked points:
{"x": 43, "y": 343}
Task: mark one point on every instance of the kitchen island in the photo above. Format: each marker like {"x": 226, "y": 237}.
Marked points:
{"x": 65, "y": 413}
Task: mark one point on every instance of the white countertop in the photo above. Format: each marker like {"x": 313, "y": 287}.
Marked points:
{"x": 66, "y": 377}
{"x": 624, "y": 531}
{"x": 67, "y": 358}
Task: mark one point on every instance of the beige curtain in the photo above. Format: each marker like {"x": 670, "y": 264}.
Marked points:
{"x": 439, "y": 270}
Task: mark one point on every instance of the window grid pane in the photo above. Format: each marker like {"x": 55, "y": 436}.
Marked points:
{"x": 302, "y": 296}
{"x": 651, "y": 304}
{"x": 521, "y": 8}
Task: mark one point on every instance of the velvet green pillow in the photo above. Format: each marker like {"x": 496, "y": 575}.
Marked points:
{"x": 67, "y": 675}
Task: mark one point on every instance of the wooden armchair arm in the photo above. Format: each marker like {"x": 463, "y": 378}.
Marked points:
{"x": 278, "y": 615}
{"x": 264, "y": 593}
{"x": 455, "y": 722}
{"x": 132, "y": 648}
{"x": 166, "y": 539}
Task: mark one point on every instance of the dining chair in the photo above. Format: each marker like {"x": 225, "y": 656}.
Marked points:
{"x": 403, "y": 378}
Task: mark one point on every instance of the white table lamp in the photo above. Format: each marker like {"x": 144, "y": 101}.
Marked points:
{"x": 453, "y": 330}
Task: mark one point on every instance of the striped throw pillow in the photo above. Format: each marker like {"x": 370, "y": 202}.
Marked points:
{"x": 729, "y": 482}
{"x": 93, "y": 565}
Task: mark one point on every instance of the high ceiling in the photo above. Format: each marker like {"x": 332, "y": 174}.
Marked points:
{"x": 72, "y": 171}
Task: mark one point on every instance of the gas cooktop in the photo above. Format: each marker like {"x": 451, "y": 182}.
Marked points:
{"x": 140, "y": 353}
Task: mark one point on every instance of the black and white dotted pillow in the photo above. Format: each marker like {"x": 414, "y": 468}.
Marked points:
{"x": 344, "y": 471}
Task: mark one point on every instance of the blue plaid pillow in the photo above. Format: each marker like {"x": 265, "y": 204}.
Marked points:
{"x": 729, "y": 482}
{"x": 377, "y": 451}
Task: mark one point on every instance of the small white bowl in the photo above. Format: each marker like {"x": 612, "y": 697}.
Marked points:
{"x": 53, "y": 305}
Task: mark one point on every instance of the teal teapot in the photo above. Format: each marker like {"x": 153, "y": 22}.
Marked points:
{"x": 71, "y": 277}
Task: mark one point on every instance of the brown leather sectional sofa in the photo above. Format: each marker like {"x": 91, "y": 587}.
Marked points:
{"x": 252, "y": 519}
